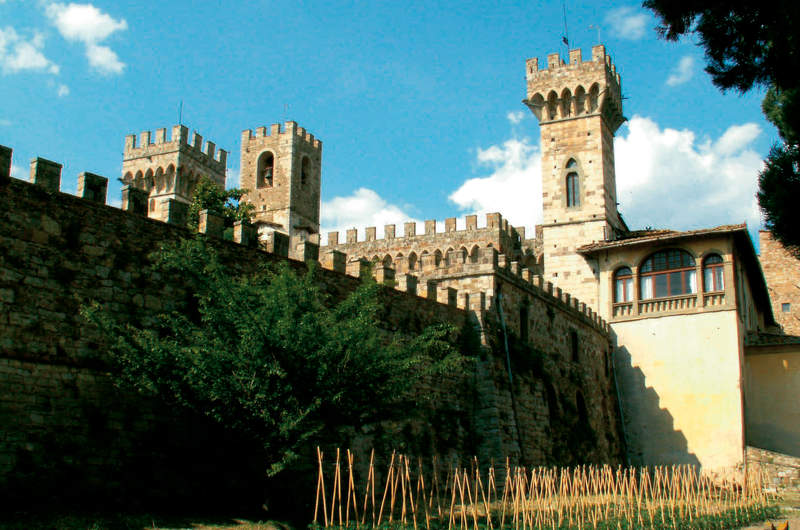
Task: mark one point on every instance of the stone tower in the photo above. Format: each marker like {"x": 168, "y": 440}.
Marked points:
{"x": 281, "y": 169}
{"x": 170, "y": 169}
{"x": 579, "y": 108}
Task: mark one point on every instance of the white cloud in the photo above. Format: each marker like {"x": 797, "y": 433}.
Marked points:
{"x": 232, "y": 178}
{"x": 515, "y": 117}
{"x": 682, "y": 72}
{"x": 627, "y": 22}
{"x": 17, "y": 172}
{"x": 18, "y": 54}
{"x": 87, "y": 24}
{"x": 363, "y": 208}
{"x": 83, "y": 22}
{"x": 63, "y": 90}
{"x": 103, "y": 59}
{"x": 513, "y": 188}
{"x": 667, "y": 179}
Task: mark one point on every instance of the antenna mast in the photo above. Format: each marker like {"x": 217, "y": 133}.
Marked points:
{"x": 565, "y": 36}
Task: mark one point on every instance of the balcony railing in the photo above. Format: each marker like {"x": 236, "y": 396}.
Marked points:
{"x": 623, "y": 309}
{"x": 713, "y": 299}
{"x": 675, "y": 303}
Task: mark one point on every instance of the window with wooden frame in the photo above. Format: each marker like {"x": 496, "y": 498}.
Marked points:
{"x": 623, "y": 285}
{"x": 667, "y": 273}
{"x": 573, "y": 185}
{"x": 713, "y": 275}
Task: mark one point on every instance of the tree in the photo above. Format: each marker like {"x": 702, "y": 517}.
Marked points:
{"x": 270, "y": 356}
{"x": 208, "y": 195}
{"x": 753, "y": 44}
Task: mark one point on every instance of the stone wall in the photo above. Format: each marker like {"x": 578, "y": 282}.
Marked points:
{"x": 782, "y": 471}
{"x": 781, "y": 271}
{"x": 65, "y": 423}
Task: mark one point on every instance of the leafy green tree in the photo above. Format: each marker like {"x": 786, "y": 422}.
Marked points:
{"x": 208, "y": 195}
{"x": 751, "y": 44}
{"x": 747, "y": 43}
{"x": 269, "y": 355}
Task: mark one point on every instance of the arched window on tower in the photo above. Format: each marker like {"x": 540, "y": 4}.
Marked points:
{"x": 667, "y": 273}
{"x": 573, "y": 186}
{"x": 713, "y": 276}
{"x": 266, "y": 169}
{"x": 305, "y": 172}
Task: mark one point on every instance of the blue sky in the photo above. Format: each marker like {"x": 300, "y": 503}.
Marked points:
{"x": 418, "y": 104}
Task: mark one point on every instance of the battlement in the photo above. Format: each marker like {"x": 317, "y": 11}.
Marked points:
{"x": 150, "y": 144}
{"x": 494, "y": 223}
{"x": 289, "y": 129}
{"x": 579, "y": 88}
{"x": 555, "y": 63}
{"x": 457, "y": 266}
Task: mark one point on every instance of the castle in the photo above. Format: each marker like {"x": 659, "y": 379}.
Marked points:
{"x": 675, "y": 335}
{"x": 686, "y": 309}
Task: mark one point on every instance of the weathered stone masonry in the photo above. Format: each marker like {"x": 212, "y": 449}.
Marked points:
{"x": 62, "y": 418}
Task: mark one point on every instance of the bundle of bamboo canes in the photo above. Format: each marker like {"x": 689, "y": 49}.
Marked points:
{"x": 438, "y": 495}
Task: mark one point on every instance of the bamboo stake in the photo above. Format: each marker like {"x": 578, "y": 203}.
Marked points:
{"x": 452, "y": 494}
{"x": 386, "y": 488}
{"x": 411, "y": 496}
{"x": 321, "y": 489}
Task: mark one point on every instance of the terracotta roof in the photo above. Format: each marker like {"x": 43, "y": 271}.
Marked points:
{"x": 639, "y": 237}
{"x": 770, "y": 339}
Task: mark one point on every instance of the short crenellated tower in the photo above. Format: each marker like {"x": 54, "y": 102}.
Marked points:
{"x": 281, "y": 167}
{"x": 170, "y": 170}
{"x": 579, "y": 108}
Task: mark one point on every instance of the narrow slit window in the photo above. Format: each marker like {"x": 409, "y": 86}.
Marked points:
{"x": 573, "y": 197}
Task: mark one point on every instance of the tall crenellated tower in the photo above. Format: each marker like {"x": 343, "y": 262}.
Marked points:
{"x": 579, "y": 108}
{"x": 281, "y": 168}
{"x": 170, "y": 169}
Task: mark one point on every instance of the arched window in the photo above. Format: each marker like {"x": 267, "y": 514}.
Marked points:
{"x": 623, "y": 285}
{"x": 667, "y": 273}
{"x": 412, "y": 261}
{"x": 266, "y": 169}
{"x": 573, "y": 190}
{"x": 305, "y": 171}
{"x": 552, "y": 106}
{"x": 473, "y": 254}
{"x": 713, "y": 277}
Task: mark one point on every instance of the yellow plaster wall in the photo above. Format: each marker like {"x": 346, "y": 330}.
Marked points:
{"x": 772, "y": 404}
{"x": 680, "y": 382}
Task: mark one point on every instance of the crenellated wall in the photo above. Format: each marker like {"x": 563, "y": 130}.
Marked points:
{"x": 67, "y": 427}
{"x": 406, "y": 252}
{"x": 170, "y": 170}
